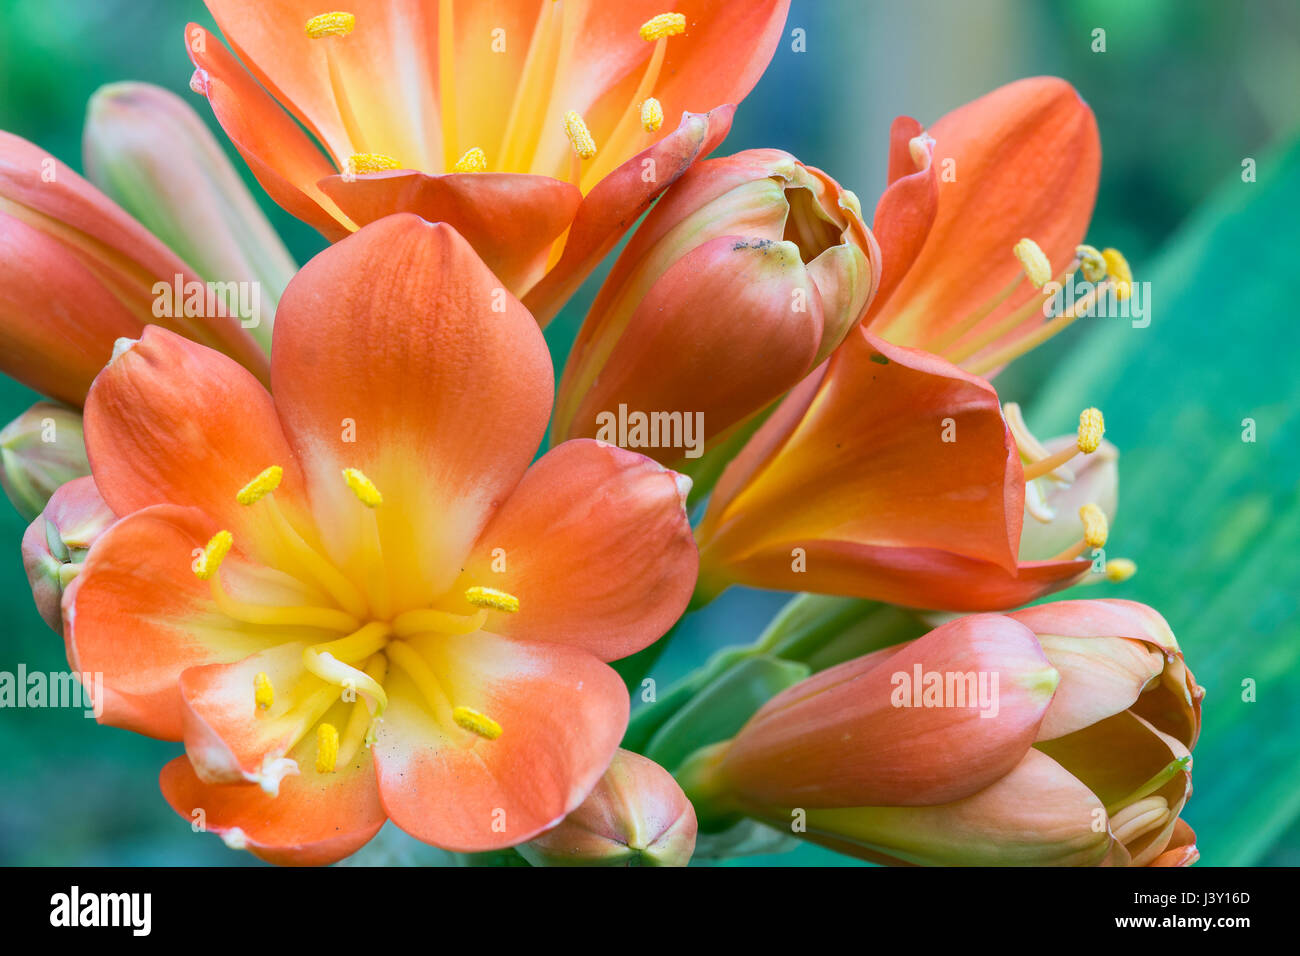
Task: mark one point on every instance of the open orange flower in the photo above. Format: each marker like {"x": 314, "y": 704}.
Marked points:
{"x": 888, "y": 474}
{"x": 357, "y": 601}
{"x": 532, "y": 126}
{"x": 983, "y": 220}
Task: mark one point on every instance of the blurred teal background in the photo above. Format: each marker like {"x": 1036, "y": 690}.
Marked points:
{"x": 1185, "y": 91}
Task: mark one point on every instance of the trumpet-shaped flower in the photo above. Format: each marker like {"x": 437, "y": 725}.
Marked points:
{"x": 983, "y": 222}
{"x": 532, "y": 126}
{"x": 357, "y": 600}
{"x": 1061, "y": 734}
{"x": 889, "y": 474}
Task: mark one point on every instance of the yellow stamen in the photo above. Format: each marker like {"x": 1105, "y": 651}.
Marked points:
{"x": 652, "y": 115}
{"x": 1013, "y": 350}
{"x": 358, "y": 645}
{"x": 1091, "y": 262}
{"x": 329, "y": 577}
{"x": 474, "y": 161}
{"x": 363, "y": 487}
{"x": 492, "y": 598}
{"x": 477, "y": 723}
{"x": 360, "y": 720}
{"x": 263, "y": 691}
{"x": 262, "y": 485}
{"x": 1120, "y": 569}
{"x": 428, "y": 621}
{"x": 1095, "y": 527}
{"x": 1037, "y": 267}
{"x": 327, "y": 748}
{"x": 663, "y": 25}
{"x": 1117, "y": 265}
{"x": 208, "y": 562}
{"x": 412, "y": 663}
{"x": 325, "y": 618}
{"x": 579, "y": 136}
{"x": 361, "y": 163}
{"x": 339, "y": 23}
{"x": 1091, "y": 427}
{"x": 334, "y": 671}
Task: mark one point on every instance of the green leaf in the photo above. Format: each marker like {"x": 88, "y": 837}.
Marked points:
{"x": 1213, "y": 520}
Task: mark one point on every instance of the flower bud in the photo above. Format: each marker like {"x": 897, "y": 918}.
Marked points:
{"x": 148, "y": 150}
{"x": 55, "y": 544}
{"x": 1092, "y": 767}
{"x": 636, "y": 815}
{"x": 745, "y": 276}
{"x": 40, "y": 450}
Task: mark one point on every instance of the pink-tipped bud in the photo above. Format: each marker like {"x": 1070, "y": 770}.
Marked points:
{"x": 636, "y": 815}
{"x": 56, "y": 543}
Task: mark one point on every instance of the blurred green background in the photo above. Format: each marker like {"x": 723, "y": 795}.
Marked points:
{"x": 1185, "y": 90}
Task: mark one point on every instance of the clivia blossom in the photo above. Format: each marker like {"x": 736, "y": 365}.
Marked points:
{"x": 983, "y": 221}
{"x": 1083, "y": 757}
{"x": 891, "y": 474}
{"x": 356, "y": 600}
{"x": 532, "y": 126}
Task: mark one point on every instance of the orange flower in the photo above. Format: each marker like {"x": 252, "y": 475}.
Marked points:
{"x": 77, "y": 273}
{"x": 1061, "y": 734}
{"x": 359, "y": 595}
{"x": 888, "y": 474}
{"x": 532, "y": 126}
{"x": 984, "y": 219}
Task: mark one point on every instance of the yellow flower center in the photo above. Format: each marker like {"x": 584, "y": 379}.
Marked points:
{"x": 370, "y": 634}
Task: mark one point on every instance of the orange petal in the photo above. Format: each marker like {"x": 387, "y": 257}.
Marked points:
{"x": 171, "y": 422}
{"x": 863, "y": 734}
{"x": 1026, "y": 160}
{"x": 282, "y": 157}
{"x": 316, "y": 818}
{"x": 856, "y": 471}
{"x": 511, "y": 219}
{"x": 137, "y": 614}
{"x": 906, "y": 209}
{"x": 562, "y": 713}
{"x": 397, "y": 352}
{"x": 618, "y": 200}
{"x": 1181, "y": 850}
{"x": 595, "y": 544}
{"x": 739, "y": 359}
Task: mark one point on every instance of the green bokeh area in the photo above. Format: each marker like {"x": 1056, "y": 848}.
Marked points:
{"x": 1184, "y": 92}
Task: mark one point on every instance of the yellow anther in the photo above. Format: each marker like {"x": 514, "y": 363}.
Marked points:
{"x": 1091, "y": 262}
{"x": 476, "y": 723}
{"x": 474, "y": 161}
{"x": 210, "y": 560}
{"x": 1118, "y": 268}
{"x": 663, "y": 25}
{"x": 492, "y": 598}
{"x": 1037, "y": 267}
{"x": 652, "y": 115}
{"x": 261, "y": 486}
{"x": 1095, "y": 527}
{"x": 363, "y": 487}
{"x": 1091, "y": 427}
{"x": 1120, "y": 569}
{"x": 338, "y": 23}
{"x": 263, "y": 691}
{"x": 361, "y": 163}
{"x": 327, "y": 748}
{"x": 579, "y": 135}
